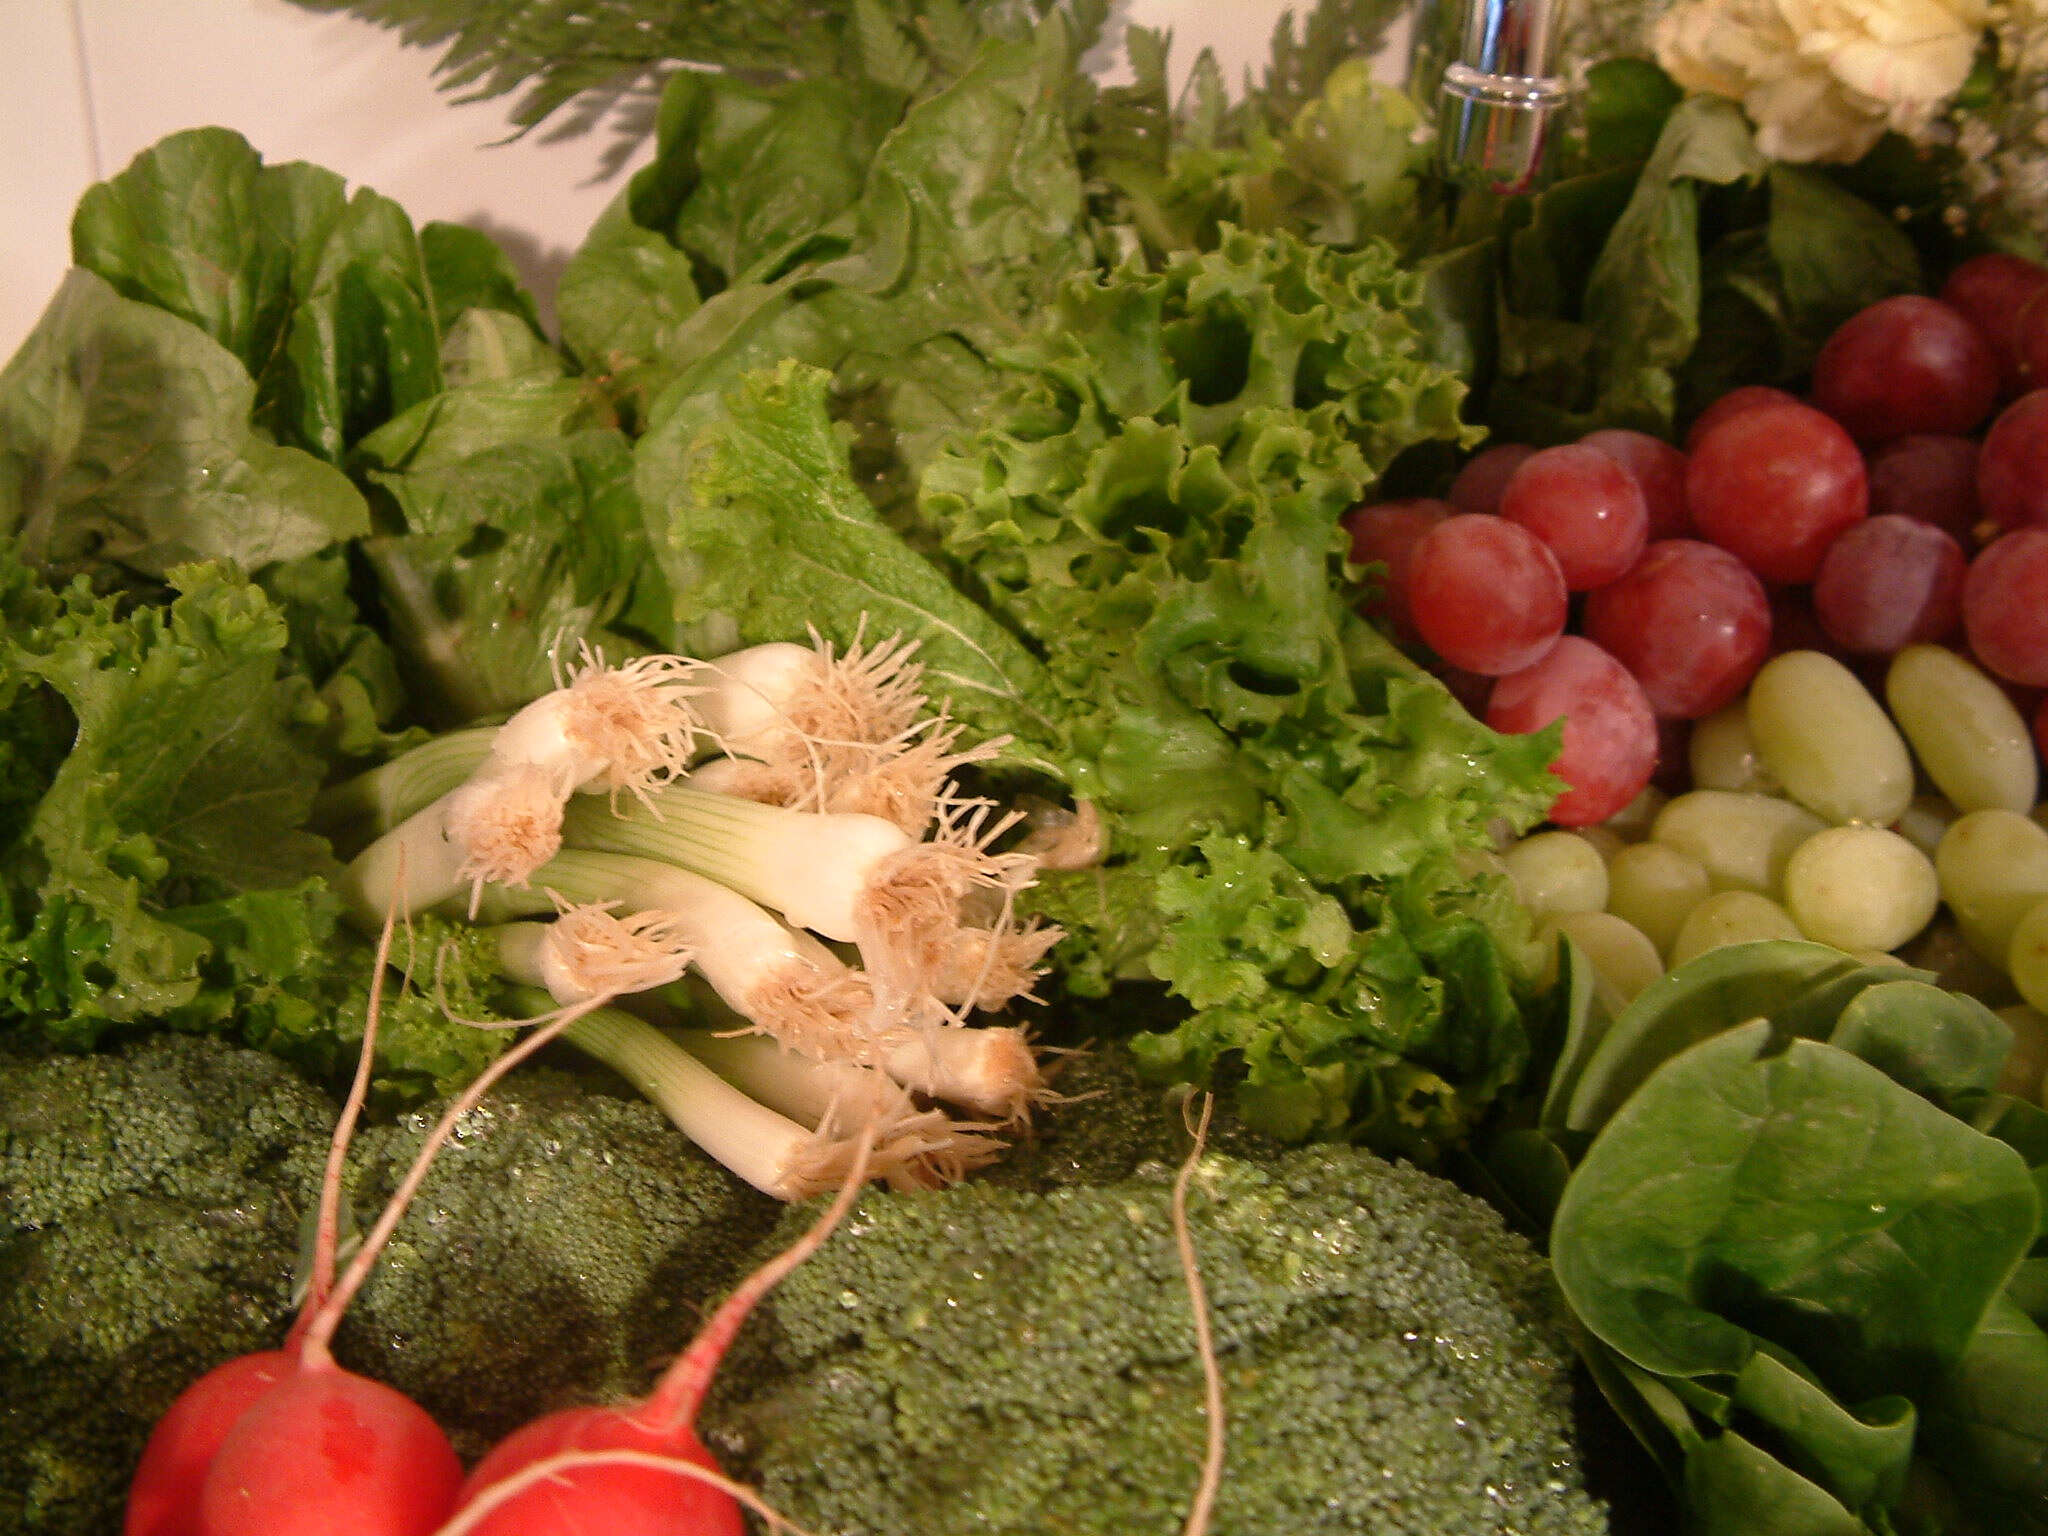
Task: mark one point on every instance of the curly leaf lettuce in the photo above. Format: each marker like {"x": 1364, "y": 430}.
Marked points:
{"x": 895, "y": 241}
{"x": 183, "y": 785}
{"x": 156, "y": 776}
{"x": 1155, "y": 510}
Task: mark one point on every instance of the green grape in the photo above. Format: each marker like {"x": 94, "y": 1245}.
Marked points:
{"x": 1654, "y": 887}
{"x": 1964, "y": 730}
{"x": 1742, "y": 839}
{"x": 1622, "y": 955}
{"x": 1993, "y": 866}
{"x": 1828, "y": 741}
{"x": 1730, "y": 917}
{"x": 2026, "y": 957}
{"x": 1722, "y": 754}
{"x": 1860, "y": 888}
{"x": 1557, "y": 872}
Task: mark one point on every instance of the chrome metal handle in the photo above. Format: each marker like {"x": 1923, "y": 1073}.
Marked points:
{"x": 1499, "y": 96}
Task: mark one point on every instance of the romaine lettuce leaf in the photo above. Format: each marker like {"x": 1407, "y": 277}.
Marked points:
{"x": 125, "y": 440}
{"x": 325, "y": 298}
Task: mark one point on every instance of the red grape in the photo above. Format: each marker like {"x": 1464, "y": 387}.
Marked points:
{"x": 1610, "y": 736}
{"x": 1479, "y": 484}
{"x": 1889, "y": 583}
{"x": 1689, "y": 620}
{"x": 1674, "y": 761}
{"x": 1992, "y": 290}
{"x": 1659, "y": 469}
{"x": 1929, "y": 477}
{"x": 2012, "y": 468}
{"x": 1385, "y": 534}
{"x": 2041, "y": 729}
{"x": 1775, "y": 485}
{"x": 1906, "y": 364}
{"x": 1745, "y": 398}
{"x": 2005, "y": 607}
{"x": 1796, "y": 627}
{"x": 2030, "y": 342}
{"x": 1585, "y": 506}
{"x": 1468, "y": 688}
{"x": 1485, "y": 593}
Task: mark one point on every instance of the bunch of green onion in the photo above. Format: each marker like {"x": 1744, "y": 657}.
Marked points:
{"x": 751, "y": 820}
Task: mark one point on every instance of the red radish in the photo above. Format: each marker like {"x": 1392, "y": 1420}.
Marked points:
{"x": 163, "y": 1499}
{"x": 642, "y": 1496}
{"x": 287, "y": 1443}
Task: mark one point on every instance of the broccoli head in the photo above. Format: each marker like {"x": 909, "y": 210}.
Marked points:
{"x": 150, "y": 1204}
{"x": 1014, "y": 1355}
{"x": 1022, "y": 1359}
{"x": 561, "y": 1250}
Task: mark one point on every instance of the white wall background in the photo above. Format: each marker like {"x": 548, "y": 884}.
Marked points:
{"x": 87, "y": 84}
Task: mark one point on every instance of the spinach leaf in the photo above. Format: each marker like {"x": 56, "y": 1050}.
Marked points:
{"x": 1800, "y": 987}
{"x": 1987, "y": 1424}
{"x": 1796, "y": 1196}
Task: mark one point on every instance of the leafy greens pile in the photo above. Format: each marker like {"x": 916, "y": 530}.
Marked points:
{"x": 1803, "y": 1234}
{"x": 285, "y": 481}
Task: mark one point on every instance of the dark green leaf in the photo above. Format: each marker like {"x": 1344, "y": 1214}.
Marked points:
{"x": 125, "y": 440}
{"x": 1797, "y": 1196}
{"x": 1800, "y": 987}
{"x": 515, "y": 556}
{"x": 1626, "y": 104}
{"x": 1836, "y": 253}
{"x": 467, "y": 270}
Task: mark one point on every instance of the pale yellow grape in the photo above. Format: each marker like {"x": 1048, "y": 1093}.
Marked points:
{"x": 1557, "y": 872}
{"x": 1860, "y": 888}
{"x": 1742, "y": 839}
{"x": 1926, "y": 821}
{"x": 2026, "y": 958}
{"x": 2026, "y": 1064}
{"x": 1633, "y": 821}
{"x": 1654, "y": 887}
{"x": 1722, "y": 754}
{"x": 1622, "y": 955}
{"x": 1828, "y": 741}
{"x": 1993, "y": 866}
{"x": 1602, "y": 839}
{"x": 1964, "y": 730}
{"x": 1730, "y": 917}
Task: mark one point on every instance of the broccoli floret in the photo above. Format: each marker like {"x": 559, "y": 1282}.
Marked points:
{"x": 150, "y": 1204}
{"x": 1012, "y": 1356}
{"x": 1021, "y": 1360}
{"x": 561, "y": 1250}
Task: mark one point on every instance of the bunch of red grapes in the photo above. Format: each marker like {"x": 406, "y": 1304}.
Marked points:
{"x": 1630, "y": 587}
